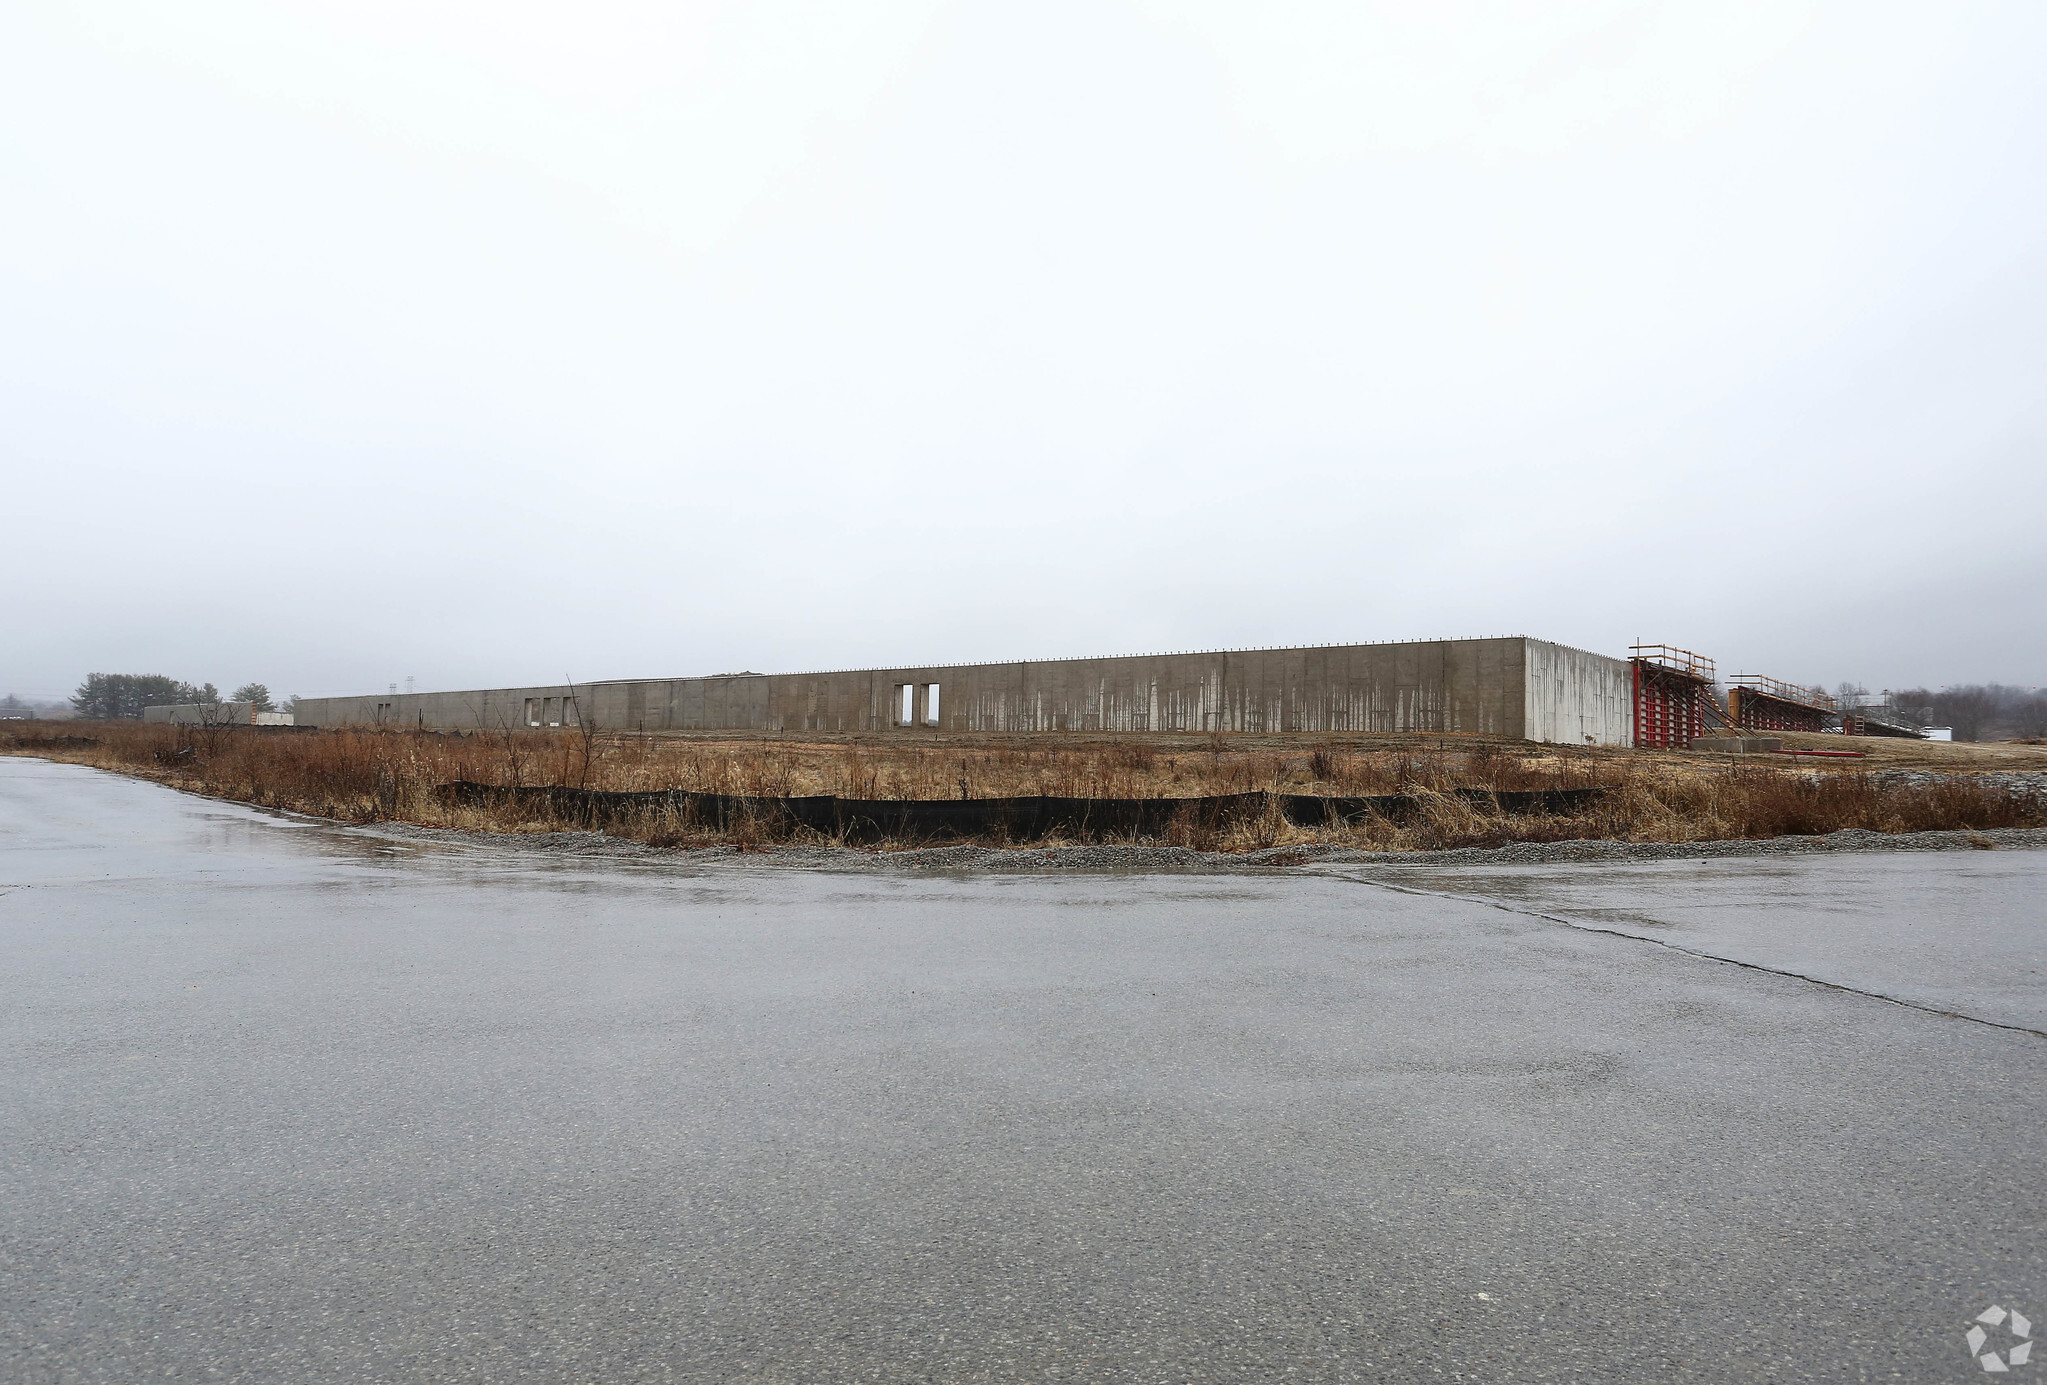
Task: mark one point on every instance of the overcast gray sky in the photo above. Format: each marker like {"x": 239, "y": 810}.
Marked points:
{"x": 492, "y": 344}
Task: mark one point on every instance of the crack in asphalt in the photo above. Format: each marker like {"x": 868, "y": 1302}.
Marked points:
{"x": 1583, "y": 927}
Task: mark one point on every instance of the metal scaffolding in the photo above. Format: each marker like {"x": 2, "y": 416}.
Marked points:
{"x": 1759, "y": 703}
{"x": 1673, "y": 695}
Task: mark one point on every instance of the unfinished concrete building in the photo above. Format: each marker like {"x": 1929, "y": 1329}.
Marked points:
{"x": 215, "y": 714}
{"x": 1511, "y": 687}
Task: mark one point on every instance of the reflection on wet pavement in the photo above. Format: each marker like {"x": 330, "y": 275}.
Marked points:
{"x": 1955, "y": 931}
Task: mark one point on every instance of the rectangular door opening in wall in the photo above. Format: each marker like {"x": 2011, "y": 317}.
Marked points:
{"x": 533, "y": 711}
{"x": 901, "y": 708}
{"x": 931, "y": 704}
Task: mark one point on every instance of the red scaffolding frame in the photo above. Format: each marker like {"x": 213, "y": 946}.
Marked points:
{"x": 1758, "y": 703}
{"x": 1673, "y": 695}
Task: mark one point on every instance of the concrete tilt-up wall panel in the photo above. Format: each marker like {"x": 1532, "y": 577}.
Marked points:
{"x": 1509, "y": 687}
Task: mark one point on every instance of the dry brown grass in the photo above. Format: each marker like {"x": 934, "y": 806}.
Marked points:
{"x": 374, "y": 775}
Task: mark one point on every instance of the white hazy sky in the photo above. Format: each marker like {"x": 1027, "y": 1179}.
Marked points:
{"x": 496, "y": 343}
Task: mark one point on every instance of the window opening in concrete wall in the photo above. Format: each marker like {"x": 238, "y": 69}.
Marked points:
{"x": 551, "y": 711}
{"x": 905, "y": 694}
{"x": 569, "y": 712}
{"x": 931, "y": 704}
{"x": 533, "y": 711}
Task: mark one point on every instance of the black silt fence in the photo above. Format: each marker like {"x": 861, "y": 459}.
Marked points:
{"x": 1024, "y": 818}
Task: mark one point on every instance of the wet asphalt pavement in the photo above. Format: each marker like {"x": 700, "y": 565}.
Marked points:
{"x": 287, "y": 1102}
{"x": 1963, "y": 932}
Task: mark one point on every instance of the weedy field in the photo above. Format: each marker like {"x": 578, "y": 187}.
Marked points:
{"x": 377, "y": 775}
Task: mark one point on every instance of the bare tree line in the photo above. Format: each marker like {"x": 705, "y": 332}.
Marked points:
{"x": 1977, "y": 711}
{"x": 119, "y": 696}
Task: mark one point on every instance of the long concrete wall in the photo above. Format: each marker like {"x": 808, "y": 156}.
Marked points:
{"x": 1512, "y": 687}
{"x": 215, "y": 714}
{"x": 203, "y": 714}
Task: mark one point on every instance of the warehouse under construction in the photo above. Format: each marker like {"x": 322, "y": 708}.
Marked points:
{"x": 1513, "y": 687}
{"x": 1507, "y": 687}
